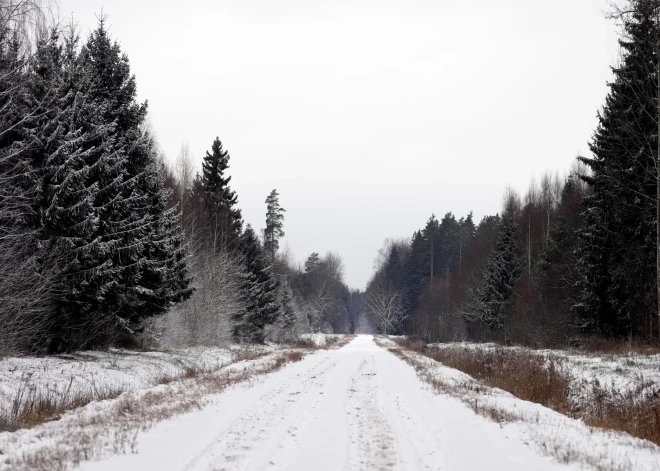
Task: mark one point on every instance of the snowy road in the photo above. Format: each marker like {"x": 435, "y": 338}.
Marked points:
{"x": 356, "y": 408}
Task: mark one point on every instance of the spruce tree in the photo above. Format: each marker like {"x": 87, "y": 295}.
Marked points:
{"x": 26, "y": 286}
{"x": 104, "y": 206}
{"x": 274, "y": 224}
{"x": 287, "y": 316}
{"x": 620, "y": 215}
{"x": 502, "y": 271}
{"x": 84, "y": 179}
{"x": 312, "y": 262}
{"x": 259, "y": 290}
{"x": 223, "y": 216}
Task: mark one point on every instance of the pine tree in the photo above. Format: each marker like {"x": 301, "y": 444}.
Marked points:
{"x": 104, "y": 206}
{"x": 223, "y": 216}
{"x": 416, "y": 271}
{"x": 274, "y": 224}
{"x": 467, "y": 234}
{"x": 26, "y": 284}
{"x": 67, "y": 142}
{"x": 620, "y": 215}
{"x": 259, "y": 291}
{"x": 84, "y": 178}
{"x": 502, "y": 272}
{"x": 312, "y": 262}
{"x": 287, "y": 315}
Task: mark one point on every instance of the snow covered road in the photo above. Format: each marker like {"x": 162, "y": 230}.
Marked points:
{"x": 356, "y": 408}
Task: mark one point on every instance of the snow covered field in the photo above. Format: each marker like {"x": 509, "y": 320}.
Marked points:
{"x": 359, "y": 407}
{"x": 102, "y": 374}
{"x": 544, "y": 430}
{"x": 629, "y": 374}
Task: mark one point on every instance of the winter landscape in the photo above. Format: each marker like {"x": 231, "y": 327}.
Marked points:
{"x": 219, "y": 247}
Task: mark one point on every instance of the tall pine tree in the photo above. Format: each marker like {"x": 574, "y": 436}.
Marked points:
{"x": 502, "y": 272}
{"x": 620, "y": 215}
{"x": 274, "y": 224}
{"x": 224, "y": 220}
{"x": 260, "y": 292}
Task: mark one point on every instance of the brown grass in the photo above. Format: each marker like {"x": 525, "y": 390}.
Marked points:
{"x": 546, "y": 381}
{"x": 31, "y": 407}
{"x": 525, "y": 375}
{"x": 331, "y": 342}
{"x": 637, "y": 412}
{"x": 618, "y": 347}
{"x": 115, "y": 428}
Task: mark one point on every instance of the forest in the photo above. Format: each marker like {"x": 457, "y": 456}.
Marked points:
{"x": 574, "y": 260}
{"x": 102, "y": 241}
{"x": 105, "y": 242}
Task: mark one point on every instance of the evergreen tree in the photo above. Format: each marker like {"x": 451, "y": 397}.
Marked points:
{"x": 501, "y": 274}
{"x": 274, "y": 224}
{"x": 81, "y": 193}
{"x": 312, "y": 262}
{"x": 259, "y": 291}
{"x": 68, "y": 140}
{"x": 104, "y": 208}
{"x": 223, "y": 216}
{"x": 415, "y": 271}
{"x": 26, "y": 279}
{"x": 467, "y": 235}
{"x": 287, "y": 315}
{"x": 620, "y": 215}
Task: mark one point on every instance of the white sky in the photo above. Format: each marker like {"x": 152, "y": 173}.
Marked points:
{"x": 368, "y": 115}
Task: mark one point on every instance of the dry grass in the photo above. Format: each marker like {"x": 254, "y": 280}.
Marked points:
{"x": 636, "y": 412}
{"x": 247, "y": 352}
{"x": 114, "y": 428}
{"x": 305, "y": 343}
{"x": 339, "y": 342}
{"x": 330, "y": 342}
{"x": 523, "y": 374}
{"x": 618, "y": 347}
{"x": 31, "y": 407}
{"x": 547, "y": 381}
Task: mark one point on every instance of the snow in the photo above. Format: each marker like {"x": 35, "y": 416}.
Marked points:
{"x": 98, "y": 373}
{"x": 624, "y": 375}
{"x": 359, "y": 407}
{"x": 546, "y": 431}
{"x": 320, "y": 339}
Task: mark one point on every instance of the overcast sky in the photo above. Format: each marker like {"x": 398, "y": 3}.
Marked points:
{"x": 368, "y": 115}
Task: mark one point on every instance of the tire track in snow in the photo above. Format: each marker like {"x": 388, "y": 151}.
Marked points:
{"x": 234, "y": 448}
{"x": 372, "y": 440}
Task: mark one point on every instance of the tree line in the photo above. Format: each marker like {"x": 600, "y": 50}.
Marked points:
{"x": 101, "y": 242}
{"x": 575, "y": 258}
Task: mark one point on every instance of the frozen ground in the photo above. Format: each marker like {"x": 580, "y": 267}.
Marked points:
{"x": 360, "y": 407}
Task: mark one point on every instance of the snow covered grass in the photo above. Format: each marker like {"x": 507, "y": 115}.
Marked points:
{"x": 614, "y": 391}
{"x": 567, "y": 439}
{"x": 109, "y": 427}
{"x": 318, "y": 340}
{"x": 34, "y": 390}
